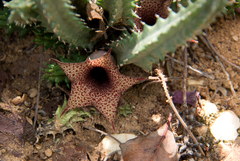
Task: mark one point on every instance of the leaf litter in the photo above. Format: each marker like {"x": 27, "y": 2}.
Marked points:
{"x": 14, "y": 129}
{"x": 159, "y": 145}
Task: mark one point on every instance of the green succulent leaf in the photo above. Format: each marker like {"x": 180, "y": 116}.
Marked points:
{"x": 71, "y": 116}
{"x": 125, "y": 110}
{"x": 4, "y": 13}
{"x": 166, "y": 35}
{"x": 120, "y": 11}
{"x": 56, "y": 16}
{"x": 231, "y": 7}
{"x": 55, "y": 74}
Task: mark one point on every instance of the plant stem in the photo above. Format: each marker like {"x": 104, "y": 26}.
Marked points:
{"x": 160, "y": 74}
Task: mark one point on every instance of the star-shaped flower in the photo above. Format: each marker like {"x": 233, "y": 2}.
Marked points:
{"x": 148, "y": 9}
{"x": 97, "y": 82}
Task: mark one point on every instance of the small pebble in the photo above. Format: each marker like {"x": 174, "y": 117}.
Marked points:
{"x": 3, "y": 151}
{"x": 27, "y": 104}
{"x": 32, "y": 92}
{"x": 38, "y": 146}
{"x": 202, "y": 130}
{"x": 208, "y": 107}
{"x": 235, "y": 38}
{"x": 209, "y": 70}
{"x": 18, "y": 100}
{"x": 48, "y": 152}
{"x": 43, "y": 156}
{"x": 232, "y": 103}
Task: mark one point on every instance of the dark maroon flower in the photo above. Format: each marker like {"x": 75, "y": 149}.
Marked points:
{"x": 192, "y": 97}
{"x": 148, "y": 9}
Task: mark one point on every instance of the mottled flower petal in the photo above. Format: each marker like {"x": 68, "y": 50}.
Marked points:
{"x": 97, "y": 83}
{"x": 148, "y": 9}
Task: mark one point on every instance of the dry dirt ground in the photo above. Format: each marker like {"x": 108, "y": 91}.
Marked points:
{"x": 19, "y": 73}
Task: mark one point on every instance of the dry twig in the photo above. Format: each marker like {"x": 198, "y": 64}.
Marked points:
{"x": 160, "y": 74}
{"x": 191, "y": 68}
{"x": 103, "y": 133}
{"x": 185, "y": 78}
{"x": 38, "y": 94}
{"x": 62, "y": 89}
{"x": 210, "y": 46}
{"x": 215, "y": 53}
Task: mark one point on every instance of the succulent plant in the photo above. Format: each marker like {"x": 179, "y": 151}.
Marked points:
{"x": 68, "y": 118}
{"x": 125, "y": 110}
{"x": 4, "y": 13}
{"x": 147, "y": 11}
{"x": 58, "y": 124}
{"x": 110, "y": 24}
{"x": 165, "y": 35}
{"x": 233, "y": 6}
{"x": 140, "y": 48}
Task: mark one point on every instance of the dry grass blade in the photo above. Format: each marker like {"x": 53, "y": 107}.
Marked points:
{"x": 38, "y": 91}
{"x": 210, "y": 46}
{"x": 191, "y": 68}
{"x": 216, "y": 54}
{"x": 185, "y": 78}
{"x": 160, "y": 74}
{"x": 103, "y": 133}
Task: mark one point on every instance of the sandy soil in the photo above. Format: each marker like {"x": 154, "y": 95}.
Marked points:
{"x": 20, "y": 73}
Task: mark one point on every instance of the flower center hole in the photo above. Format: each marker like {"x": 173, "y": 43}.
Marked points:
{"x": 99, "y": 76}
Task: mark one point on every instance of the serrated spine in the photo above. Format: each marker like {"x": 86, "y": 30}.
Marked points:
{"x": 56, "y": 18}
{"x": 119, "y": 11}
{"x": 166, "y": 35}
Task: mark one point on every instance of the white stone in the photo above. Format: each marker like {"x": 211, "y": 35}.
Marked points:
{"x": 32, "y": 92}
{"x": 235, "y": 38}
{"x": 225, "y": 126}
{"x": 208, "y": 107}
{"x": 108, "y": 145}
{"x": 48, "y": 152}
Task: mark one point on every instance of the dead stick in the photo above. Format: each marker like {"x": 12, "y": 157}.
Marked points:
{"x": 185, "y": 78}
{"x": 227, "y": 75}
{"x": 160, "y": 74}
{"x": 102, "y": 132}
{"x": 211, "y": 47}
{"x": 163, "y": 136}
{"x": 38, "y": 94}
{"x": 67, "y": 92}
{"x": 215, "y": 53}
{"x": 191, "y": 68}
